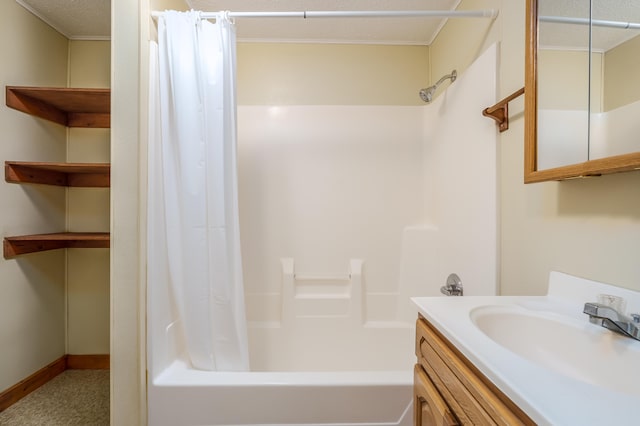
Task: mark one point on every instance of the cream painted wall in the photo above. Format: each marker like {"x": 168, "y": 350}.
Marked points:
{"x": 622, "y": 67}
{"x": 563, "y": 72}
{"x": 589, "y": 227}
{"x": 168, "y": 5}
{"x": 462, "y": 40}
{"x": 563, "y": 80}
{"x": 32, "y": 306}
{"x": 88, "y": 211}
{"x": 331, "y": 74}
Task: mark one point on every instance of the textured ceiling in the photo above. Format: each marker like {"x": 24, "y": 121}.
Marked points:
{"x": 90, "y": 19}
{"x": 553, "y": 35}
{"x": 75, "y": 19}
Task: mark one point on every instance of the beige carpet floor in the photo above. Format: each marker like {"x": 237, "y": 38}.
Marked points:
{"x": 75, "y": 397}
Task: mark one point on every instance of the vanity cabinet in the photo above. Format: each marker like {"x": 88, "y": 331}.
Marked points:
{"x": 429, "y": 409}
{"x": 449, "y": 390}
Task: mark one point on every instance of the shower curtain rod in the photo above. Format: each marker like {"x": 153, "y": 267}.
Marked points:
{"x": 487, "y": 13}
{"x": 586, "y": 21}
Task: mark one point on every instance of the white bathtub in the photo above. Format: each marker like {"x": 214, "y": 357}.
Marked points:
{"x": 327, "y": 375}
{"x": 321, "y": 363}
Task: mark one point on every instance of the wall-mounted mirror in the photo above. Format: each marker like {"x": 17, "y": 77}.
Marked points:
{"x": 582, "y": 88}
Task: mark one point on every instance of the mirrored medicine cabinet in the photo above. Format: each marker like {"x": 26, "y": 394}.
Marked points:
{"x": 582, "y": 88}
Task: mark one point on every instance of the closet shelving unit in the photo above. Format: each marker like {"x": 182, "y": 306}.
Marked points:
{"x": 71, "y": 107}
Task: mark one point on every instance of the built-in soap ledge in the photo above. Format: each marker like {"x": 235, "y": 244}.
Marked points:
{"x": 309, "y": 296}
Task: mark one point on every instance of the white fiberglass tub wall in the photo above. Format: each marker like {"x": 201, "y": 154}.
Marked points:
{"x": 337, "y": 220}
{"x": 460, "y": 233}
{"x": 325, "y": 192}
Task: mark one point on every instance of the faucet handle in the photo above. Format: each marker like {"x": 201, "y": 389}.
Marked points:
{"x": 616, "y": 302}
{"x": 635, "y": 318}
{"x": 453, "y": 286}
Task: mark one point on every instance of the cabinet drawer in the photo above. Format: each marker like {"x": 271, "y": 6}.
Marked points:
{"x": 470, "y": 395}
{"x": 429, "y": 409}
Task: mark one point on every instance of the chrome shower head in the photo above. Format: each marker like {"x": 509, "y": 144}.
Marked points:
{"x": 427, "y": 94}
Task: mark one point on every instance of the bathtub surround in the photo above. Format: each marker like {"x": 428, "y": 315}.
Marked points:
{"x": 193, "y": 192}
{"x": 318, "y": 192}
{"x": 324, "y": 184}
{"x": 461, "y": 192}
{"x": 341, "y": 222}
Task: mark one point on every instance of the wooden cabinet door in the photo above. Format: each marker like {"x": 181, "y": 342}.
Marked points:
{"x": 429, "y": 409}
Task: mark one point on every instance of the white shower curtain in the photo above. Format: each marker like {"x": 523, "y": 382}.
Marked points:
{"x": 193, "y": 231}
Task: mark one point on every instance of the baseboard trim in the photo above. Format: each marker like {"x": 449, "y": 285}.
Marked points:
{"x": 24, "y": 387}
{"x": 88, "y": 362}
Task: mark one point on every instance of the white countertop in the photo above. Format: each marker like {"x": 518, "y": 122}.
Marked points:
{"x": 548, "y": 397}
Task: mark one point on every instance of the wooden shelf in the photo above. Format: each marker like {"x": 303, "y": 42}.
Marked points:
{"x": 14, "y": 246}
{"x": 72, "y": 107}
{"x": 93, "y": 175}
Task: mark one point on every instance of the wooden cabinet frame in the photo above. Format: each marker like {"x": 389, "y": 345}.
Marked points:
{"x": 469, "y": 395}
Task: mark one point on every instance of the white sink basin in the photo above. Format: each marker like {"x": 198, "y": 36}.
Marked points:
{"x": 573, "y": 348}
{"x": 543, "y": 352}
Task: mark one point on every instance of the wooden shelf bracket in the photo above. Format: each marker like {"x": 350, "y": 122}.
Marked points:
{"x": 500, "y": 111}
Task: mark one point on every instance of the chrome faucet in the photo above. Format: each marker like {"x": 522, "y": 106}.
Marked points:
{"x": 453, "y": 286}
{"x": 609, "y": 318}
